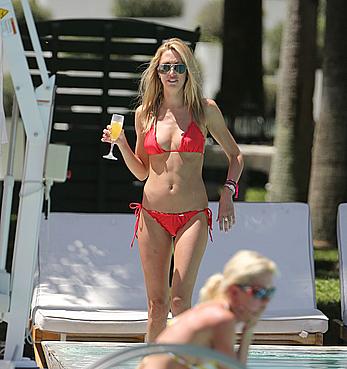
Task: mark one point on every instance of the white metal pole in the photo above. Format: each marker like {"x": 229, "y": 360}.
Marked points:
{"x": 24, "y": 252}
{"x": 7, "y": 195}
{"x": 27, "y": 231}
{"x": 35, "y": 42}
{"x": 35, "y": 108}
{"x": 20, "y": 74}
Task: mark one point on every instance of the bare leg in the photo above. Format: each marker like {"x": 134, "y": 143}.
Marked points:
{"x": 155, "y": 251}
{"x": 190, "y": 246}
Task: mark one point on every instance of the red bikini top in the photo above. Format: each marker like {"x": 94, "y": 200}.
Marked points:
{"x": 192, "y": 141}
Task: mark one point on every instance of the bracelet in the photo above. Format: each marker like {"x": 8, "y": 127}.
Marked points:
{"x": 230, "y": 187}
{"x": 231, "y": 181}
{"x": 233, "y": 187}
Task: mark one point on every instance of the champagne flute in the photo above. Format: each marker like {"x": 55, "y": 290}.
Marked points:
{"x": 116, "y": 128}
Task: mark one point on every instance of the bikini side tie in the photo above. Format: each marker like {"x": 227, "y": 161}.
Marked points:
{"x": 137, "y": 207}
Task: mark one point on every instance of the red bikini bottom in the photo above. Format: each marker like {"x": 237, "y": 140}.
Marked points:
{"x": 171, "y": 222}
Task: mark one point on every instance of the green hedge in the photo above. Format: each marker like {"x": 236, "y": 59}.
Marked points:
{"x": 210, "y": 19}
{"x": 39, "y": 13}
{"x": 148, "y": 8}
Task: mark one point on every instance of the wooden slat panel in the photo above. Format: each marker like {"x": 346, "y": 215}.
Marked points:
{"x": 98, "y": 48}
{"x": 127, "y": 66}
{"x": 64, "y": 80}
{"x": 77, "y": 64}
{"x": 93, "y": 100}
{"x": 69, "y": 63}
{"x": 119, "y": 27}
{"x": 86, "y": 146}
{"x": 26, "y": 40}
{"x": 138, "y": 46}
{"x": 133, "y": 48}
{"x": 124, "y": 193}
{"x": 116, "y": 172}
{"x": 119, "y": 174}
{"x": 97, "y": 82}
{"x": 94, "y": 49}
{"x": 80, "y": 46}
{"x": 83, "y": 159}
{"x": 89, "y": 118}
{"x": 77, "y": 137}
{"x": 79, "y": 205}
{"x": 33, "y": 64}
{"x": 76, "y": 118}
{"x": 87, "y": 190}
{"x": 68, "y": 197}
{"x": 46, "y": 42}
{"x": 72, "y": 99}
{"x": 84, "y": 164}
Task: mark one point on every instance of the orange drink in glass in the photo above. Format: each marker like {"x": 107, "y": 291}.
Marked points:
{"x": 116, "y": 128}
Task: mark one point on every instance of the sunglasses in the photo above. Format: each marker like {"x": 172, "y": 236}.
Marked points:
{"x": 260, "y": 293}
{"x": 166, "y": 68}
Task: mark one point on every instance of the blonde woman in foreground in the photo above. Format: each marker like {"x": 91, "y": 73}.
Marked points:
{"x": 238, "y": 296}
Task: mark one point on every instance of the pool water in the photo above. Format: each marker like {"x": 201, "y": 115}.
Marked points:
{"x": 298, "y": 357}
{"x": 77, "y": 355}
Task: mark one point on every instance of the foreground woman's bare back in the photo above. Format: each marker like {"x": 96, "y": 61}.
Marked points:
{"x": 204, "y": 325}
{"x": 208, "y": 325}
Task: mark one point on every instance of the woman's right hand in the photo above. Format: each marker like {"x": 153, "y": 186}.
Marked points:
{"x": 106, "y": 136}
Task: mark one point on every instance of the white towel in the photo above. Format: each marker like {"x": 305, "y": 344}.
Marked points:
{"x": 3, "y": 132}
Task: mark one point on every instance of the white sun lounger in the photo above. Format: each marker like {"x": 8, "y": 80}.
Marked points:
{"x": 281, "y": 231}
{"x": 342, "y": 248}
{"x": 89, "y": 283}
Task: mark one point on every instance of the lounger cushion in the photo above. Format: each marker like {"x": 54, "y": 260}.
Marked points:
{"x": 106, "y": 322}
{"x": 90, "y": 281}
{"x": 88, "y": 278}
{"x": 310, "y": 321}
{"x": 281, "y": 231}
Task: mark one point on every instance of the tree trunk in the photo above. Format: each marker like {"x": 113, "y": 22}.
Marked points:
{"x": 290, "y": 169}
{"x": 242, "y": 73}
{"x": 328, "y": 185}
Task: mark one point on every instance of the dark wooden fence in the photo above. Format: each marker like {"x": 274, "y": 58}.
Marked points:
{"x": 97, "y": 64}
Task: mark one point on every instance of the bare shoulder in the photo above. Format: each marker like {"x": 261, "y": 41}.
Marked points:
{"x": 212, "y": 111}
{"x": 211, "y": 107}
{"x": 210, "y": 103}
{"x": 215, "y": 314}
{"x": 138, "y": 111}
{"x": 139, "y": 118}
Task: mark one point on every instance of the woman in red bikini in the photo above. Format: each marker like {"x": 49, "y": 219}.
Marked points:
{"x": 171, "y": 126}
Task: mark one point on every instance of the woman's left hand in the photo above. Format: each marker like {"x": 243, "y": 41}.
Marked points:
{"x": 226, "y": 212}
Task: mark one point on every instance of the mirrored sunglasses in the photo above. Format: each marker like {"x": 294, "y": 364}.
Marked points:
{"x": 260, "y": 293}
{"x": 166, "y": 68}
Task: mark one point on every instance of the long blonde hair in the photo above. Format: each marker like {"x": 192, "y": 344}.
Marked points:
{"x": 151, "y": 90}
{"x": 243, "y": 268}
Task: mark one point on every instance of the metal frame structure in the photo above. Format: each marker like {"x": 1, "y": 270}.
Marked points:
{"x": 35, "y": 107}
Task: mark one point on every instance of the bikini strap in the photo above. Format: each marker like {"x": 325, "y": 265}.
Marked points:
{"x": 208, "y": 213}
{"x": 137, "y": 207}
